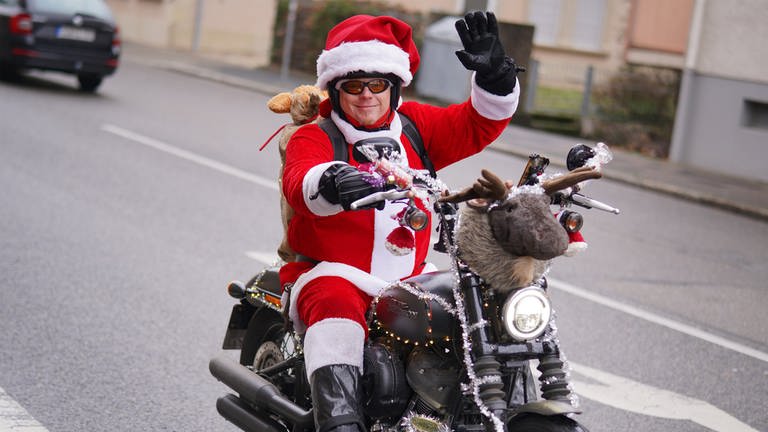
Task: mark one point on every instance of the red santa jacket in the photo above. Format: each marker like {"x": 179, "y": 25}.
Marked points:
{"x": 325, "y": 232}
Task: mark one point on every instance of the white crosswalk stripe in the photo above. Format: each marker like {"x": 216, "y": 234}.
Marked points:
{"x": 14, "y": 418}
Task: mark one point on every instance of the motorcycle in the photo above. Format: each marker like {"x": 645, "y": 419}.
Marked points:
{"x": 449, "y": 350}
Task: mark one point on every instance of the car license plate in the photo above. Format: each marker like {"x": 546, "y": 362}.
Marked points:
{"x": 78, "y": 34}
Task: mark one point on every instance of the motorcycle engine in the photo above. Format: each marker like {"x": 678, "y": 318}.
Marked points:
{"x": 434, "y": 377}
{"x": 385, "y": 387}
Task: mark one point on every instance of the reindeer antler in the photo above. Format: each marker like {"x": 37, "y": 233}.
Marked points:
{"x": 570, "y": 179}
{"x": 489, "y": 186}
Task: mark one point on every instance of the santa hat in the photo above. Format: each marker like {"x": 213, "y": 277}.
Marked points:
{"x": 382, "y": 45}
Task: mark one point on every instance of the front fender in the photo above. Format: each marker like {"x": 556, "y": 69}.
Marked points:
{"x": 546, "y": 408}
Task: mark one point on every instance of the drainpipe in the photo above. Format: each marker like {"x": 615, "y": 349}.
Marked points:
{"x": 290, "y": 29}
{"x": 197, "y": 27}
{"x": 680, "y": 129}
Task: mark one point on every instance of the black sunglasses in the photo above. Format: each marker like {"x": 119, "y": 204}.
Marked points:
{"x": 355, "y": 87}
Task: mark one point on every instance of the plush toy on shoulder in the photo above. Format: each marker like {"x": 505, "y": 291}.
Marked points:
{"x": 302, "y": 103}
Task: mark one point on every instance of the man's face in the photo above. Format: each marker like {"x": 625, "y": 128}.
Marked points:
{"x": 367, "y": 106}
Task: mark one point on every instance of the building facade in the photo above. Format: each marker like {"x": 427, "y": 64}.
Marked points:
{"x": 722, "y": 113}
{"x": 720, "y": 47}
{"x": 239, "y": 31}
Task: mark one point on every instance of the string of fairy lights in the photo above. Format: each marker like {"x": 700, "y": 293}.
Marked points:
{"x": 429, "y": 192}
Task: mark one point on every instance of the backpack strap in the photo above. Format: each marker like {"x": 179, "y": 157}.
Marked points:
{"x": 413, "y": 135}
{"x": 341, "y": 152}
{"x": 339, "y": 143}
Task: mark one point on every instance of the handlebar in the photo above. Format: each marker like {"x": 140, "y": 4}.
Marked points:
{"x": 396, "y": 194}
{"x": 390, "y": 195}
{"x": 587, "y": 202}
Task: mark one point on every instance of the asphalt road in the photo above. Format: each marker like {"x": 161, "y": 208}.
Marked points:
{"x": 124, "y": 214}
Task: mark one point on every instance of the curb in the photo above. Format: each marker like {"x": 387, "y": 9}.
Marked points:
{"x": 211, "y": 75}
{"x": 711, "y": 200}
{"x": 271, "y": 90}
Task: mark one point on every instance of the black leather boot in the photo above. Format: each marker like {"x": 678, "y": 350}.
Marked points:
{"x": 336, "y": 398}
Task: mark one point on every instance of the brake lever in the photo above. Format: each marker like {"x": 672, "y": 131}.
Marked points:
{"x": 587, "y": 202}
{"x": 389, "y": 195}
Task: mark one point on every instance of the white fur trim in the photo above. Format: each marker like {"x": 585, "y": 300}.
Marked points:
{"x": 384, "y": 264}
{"x": 310, "y": 186}
{"x": 365, "y": 282}
{"x": 494, "y": 107}
{"x": 333, "y": 341}
{"x": 429, "y": 268}
{"x": 367, "y": 56}
{"x": 574, "y": 248}
{"x": 353, "y": 135}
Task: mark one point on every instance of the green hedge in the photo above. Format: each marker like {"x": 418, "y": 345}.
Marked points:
{"x": 315, "y": 19}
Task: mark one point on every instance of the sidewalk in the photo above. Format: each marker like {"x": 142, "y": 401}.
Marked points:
{"x": 742, "y": 196}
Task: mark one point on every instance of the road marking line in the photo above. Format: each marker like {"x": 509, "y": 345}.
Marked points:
{"x": 563, "y": 286}
{"x": 623, "y": 393}
{"x": 187, "y": 155}
{"x": 658, "y": 319}
{"x": 628, "y": 395}
{"x": 269, "y": 259}
{"x": 13, "y": 417}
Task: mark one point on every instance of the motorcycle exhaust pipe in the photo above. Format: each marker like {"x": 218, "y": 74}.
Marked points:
{"x": 245, "y": 417}
{"x": 259, "y": 391}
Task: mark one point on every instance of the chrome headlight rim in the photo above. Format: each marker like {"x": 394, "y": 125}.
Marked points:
{"x": 510, "y": 311}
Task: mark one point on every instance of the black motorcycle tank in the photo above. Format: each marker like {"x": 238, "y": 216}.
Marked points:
{"x": 418, "y": 310}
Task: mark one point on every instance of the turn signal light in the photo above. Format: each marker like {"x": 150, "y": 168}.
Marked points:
{"x": 416, "y": 219}
{"x": 21, "y": 24}
{"x": 571, "y": 221}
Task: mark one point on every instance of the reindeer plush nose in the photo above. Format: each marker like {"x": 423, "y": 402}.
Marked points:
{"x": 524, "y": 226}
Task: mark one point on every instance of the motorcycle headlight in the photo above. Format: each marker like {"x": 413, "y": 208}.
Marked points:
{"x": 526, "y": 313}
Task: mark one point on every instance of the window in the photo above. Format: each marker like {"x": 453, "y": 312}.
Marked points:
{"x": 545, "y": 15}
{"x": 587, "y": 28}
{"x": 576, "y": 24}
{"x": 96, "y": 8}
{"x": 755, "y": 114}
{"x": 474, "y": 5}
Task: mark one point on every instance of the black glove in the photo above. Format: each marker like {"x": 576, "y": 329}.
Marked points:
{"x": 484, "y": 54}
{"x": 344, "y": 184}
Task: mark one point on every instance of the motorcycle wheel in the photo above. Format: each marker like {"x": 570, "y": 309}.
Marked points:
{"x": 266, "y": 341}
{"x": 540, "y": 423}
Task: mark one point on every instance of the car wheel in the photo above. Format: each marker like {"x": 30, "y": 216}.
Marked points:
{"x": 89, "y": 83}
{"x": 8, "y": 72}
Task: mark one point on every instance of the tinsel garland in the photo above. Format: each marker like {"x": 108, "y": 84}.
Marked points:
{"x": 255, "y": 295}
{"x": 395, "y": 170}
{"x": 420, "y": 422}
{"x": 473, "y": 386}
{"x": 416, "y": 291}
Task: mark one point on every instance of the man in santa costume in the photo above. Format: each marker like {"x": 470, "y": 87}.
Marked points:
{"x": 347, "y": 257}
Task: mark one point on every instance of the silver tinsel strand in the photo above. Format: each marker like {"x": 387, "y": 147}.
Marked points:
{"x": 473, "y": 387}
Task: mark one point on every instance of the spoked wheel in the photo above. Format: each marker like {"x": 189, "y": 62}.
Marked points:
{"x": 268, "y": 354}
{"x": 540, "y": 423}
{"x": 267, "y": 344}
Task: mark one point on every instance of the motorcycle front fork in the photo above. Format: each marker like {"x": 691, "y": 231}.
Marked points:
{"x": 553, "y": 381}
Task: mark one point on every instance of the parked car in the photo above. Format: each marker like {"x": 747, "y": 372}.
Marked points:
{"x": 77, "y": 37}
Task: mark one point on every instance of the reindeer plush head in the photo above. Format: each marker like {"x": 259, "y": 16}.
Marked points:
{"x": 302, "y": 103}
{"x": 507, "y": 236}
